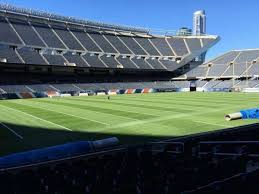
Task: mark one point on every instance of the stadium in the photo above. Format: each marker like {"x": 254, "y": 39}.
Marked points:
{"x": 90, "y": 107}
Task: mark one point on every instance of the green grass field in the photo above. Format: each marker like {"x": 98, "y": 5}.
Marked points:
{"x": 34, "y": 123}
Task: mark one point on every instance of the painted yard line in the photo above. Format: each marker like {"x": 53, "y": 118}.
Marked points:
{"x": 71, "y": 115}
{"x": 13, "y": 131}
{"x": 35, "y": 117}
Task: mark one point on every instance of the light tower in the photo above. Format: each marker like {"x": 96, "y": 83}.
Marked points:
{"x": 199, "y": 22}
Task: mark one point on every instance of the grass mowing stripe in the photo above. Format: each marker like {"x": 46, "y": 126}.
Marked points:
{"x": 169, "y": 103}
{"x": 82, "y": 112}
{"x": 169, "y": 117}
{"x": 222, "y": 95}
{"x": 221, "y": 101}
{"x": 197, "y": 96}
{"x": 178, "y": 103}
{"x": 96, "y": 130}
{"x": 137, "y": 105}
{"x": 204, "y": 102}
{"x": 156, "y": 105}
{"x": 133, "y": 108}
{"x": 13, "y": 131}
{"x": 35, "y": 117}
{"x": 179, "y": 98}
{"x": 71, "y": 115}
{"x": 134, "y": 115}
{"x": 116, "y": 107}
{"x": 86, "y": 107}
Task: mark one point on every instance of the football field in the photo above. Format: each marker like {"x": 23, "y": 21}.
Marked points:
{"x": 34, "y": 123}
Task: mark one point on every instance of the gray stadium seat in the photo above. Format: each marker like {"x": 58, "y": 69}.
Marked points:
{"x": 67, "y": 38}
{"x": 26, "y": 32}
{"x": 126, "y": 62}
{"x": 9, "y": 54}
{"x": 132, "y": 45}
{"x": 86, "y": 41}
{"x": 48, "y": 35}
{"x": 75, "y": 58}
{"x": 146, "y": 44}
{"x": 178, "y": 46}
{"x": 55, "y": 59}
{"x": 162, "y": 46}
{"x": 110, "y": 61}
{"x": 102, "y": 42}
{"x": 7, "y": 34}
{"x": 115, "y": 41}
{"x": 31, "y": 56}
{"x": 93, "y": 60}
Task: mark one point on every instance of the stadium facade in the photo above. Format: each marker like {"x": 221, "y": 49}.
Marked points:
{"x": 42, "y": 52}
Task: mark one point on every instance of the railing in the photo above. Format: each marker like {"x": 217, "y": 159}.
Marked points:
{"x": 171, "y": 147}
{"x": 229, "y": 148}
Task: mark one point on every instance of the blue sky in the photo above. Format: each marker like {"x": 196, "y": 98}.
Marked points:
{"x": 235, "y": 21}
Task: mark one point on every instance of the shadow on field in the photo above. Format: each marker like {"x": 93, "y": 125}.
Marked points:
{"x": 17, "y": 138}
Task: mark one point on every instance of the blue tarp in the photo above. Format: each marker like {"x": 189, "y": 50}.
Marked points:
{"x": 250, "y": 113}
{"x": 45, "y": 154}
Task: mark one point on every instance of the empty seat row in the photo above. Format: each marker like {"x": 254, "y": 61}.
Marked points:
{"x": 60, "y": 36}
{"x": 78, "y": 87}
{"x": 30, "y": 56}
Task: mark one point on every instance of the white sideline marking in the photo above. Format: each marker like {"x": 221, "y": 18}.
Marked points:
{"x": 16, "y": 134}
{"x": 35, "y": 117}
{"x": 71, "y": 115}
